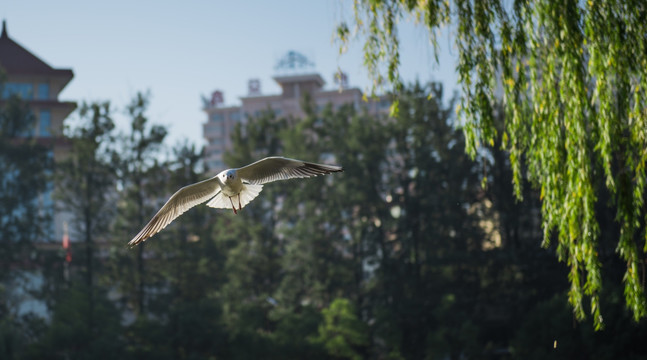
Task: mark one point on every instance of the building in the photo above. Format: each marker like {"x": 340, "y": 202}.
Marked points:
{"x": 25, "y": 74}
{"x": 299, "y": 79}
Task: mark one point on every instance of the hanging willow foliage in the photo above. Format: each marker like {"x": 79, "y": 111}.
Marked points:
{"x": 573, "y": 79}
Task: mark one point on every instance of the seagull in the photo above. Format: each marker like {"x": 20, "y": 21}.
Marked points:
{"x": 229, "y": 188}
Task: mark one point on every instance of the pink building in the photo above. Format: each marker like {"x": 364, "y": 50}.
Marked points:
{"x": 39, "y": 84}
{"x": 222, "y": 119}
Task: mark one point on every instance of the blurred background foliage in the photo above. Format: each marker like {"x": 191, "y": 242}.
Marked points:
{"x": 404, "y": 255}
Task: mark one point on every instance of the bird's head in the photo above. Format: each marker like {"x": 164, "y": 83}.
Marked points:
{"x": 228, "y": 175}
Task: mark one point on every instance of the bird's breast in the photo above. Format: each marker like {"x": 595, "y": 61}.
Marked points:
{"x": 232, "y": 187}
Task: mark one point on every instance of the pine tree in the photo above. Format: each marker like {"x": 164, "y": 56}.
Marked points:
{"x": 140, "y": 178}
{"x": 86, "y": 186}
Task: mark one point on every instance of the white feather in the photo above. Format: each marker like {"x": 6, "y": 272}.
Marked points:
{"x": 220, "y": 201}
{"x": 248, "y": 193}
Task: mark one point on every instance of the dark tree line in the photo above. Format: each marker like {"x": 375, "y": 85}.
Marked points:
{"x": 404, "y": 255}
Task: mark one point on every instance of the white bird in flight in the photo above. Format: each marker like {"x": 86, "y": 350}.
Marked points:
{"x": 241, "y": 185}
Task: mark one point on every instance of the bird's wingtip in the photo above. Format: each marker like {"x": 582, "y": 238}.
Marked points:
{"x": 134, "y": 242}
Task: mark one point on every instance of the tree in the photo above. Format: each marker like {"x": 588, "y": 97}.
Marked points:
{"x": 67, "y": 335}
{"x": 250, "y": 246}
{"x": 387, "y": 234}
{"x": 574, "y": 80}
{"x": 139, "y": 173}
{"x": 342, "y": 332}
{"x": 25, "y": 166}
{"x": 191, "y": 268}
{"x": 25, "y": 169}
{"x": 86, "y": 185}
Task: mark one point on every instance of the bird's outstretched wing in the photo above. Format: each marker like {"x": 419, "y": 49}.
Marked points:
{"x": 184, "y": 199}
{"x": 279, "y": 168}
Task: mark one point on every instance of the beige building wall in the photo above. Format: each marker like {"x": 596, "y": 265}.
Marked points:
{"x": 221, "y": 120}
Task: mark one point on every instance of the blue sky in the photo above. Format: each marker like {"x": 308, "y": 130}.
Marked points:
{"x": 180, "y": 50}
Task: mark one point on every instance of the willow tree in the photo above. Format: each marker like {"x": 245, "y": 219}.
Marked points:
{"x": 572, "y": 76}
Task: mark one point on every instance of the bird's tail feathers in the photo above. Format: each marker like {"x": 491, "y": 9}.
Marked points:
{"x": 220, "y": 201}
{"x": 247, "y": 194}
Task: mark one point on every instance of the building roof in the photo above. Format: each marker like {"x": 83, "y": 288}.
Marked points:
{"x": 16, "y": 60}
{"x": 288, "y": 79}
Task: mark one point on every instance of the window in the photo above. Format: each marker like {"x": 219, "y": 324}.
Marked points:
{"x": 45, "y": 123}
{"x": 25, "y": 91}
{"x": 235, "y": 116}
{"x": 217, "y": 117}
{"x": 213, "y": 130}
{"x": 43, "y": 91}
